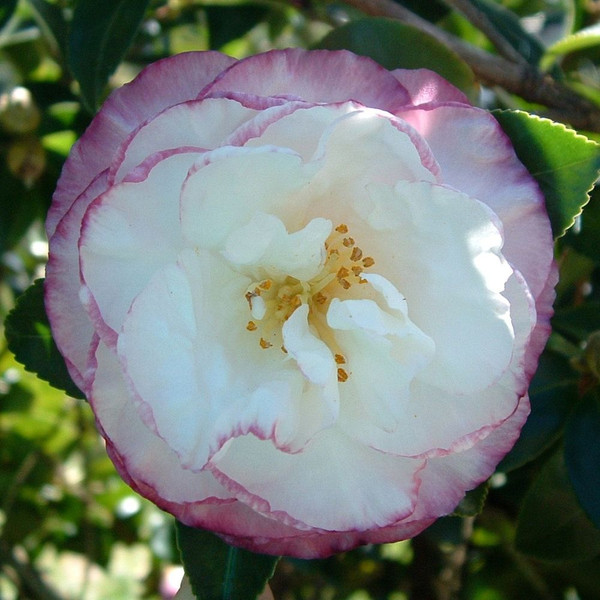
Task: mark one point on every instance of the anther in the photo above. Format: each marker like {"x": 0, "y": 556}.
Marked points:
{"x": 357, "y": 270}
{"x": 356, "y": 254}
{"x": 344, "y": 283}
{"x": 368, "y": 262}
{"x": 342, "y": 228}
{"x": 264, "y": 344}
{"x": 339, "y": 359}
{"x": 348, "y": 242}
{"x": 342, "y": 272}
{"x": 342, "y": 375}
{"x": 251, "y": 326}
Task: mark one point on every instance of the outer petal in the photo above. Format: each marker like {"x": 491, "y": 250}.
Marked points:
{"x": 320, "y": 76}
{"x": 71, "y": 327}
{"x": 425, "y": 86}
{"x": 161, "y": 84}
{"x": 127, "y": 234}
{"x": 477, "y": 158}
{"x": 334, "y": 484}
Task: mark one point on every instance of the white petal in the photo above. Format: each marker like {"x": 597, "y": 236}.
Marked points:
{"x": 231, "y": 185}
{"x": 264, "y": 242}
{"x": 313, "y": 356}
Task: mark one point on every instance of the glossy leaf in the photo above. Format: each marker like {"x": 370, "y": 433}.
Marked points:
{"x": 218, "y": 571}
{"x": 582, "y": 453}
{"x": 552, "y": 393}
{"x": 584, "y": 237}
{"x": 392, "y": 45}
{"x": 552, "y": 525}
{"x": 581, "y": 40}
{"x": 29, "y": 337}
{"x": 101, "y": 33}
{"x": 565, "y": 164}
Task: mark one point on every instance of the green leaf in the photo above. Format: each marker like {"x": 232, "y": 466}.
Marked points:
{"x": 552, "y": 393}
{"x": 392, "y": 45}
{"x": 432, "y": 10}
{"x": 227, "y": 23}
{"x": 578, "y": 322}
{"x": 218, "y": 571}
{"x": 584, "y": 238}
{"x": 472, "y": 504}
{"x": 53, "y": 24}
{"x": 6, "y": 11}
{"x": 552, "y": 525}
{"x": 583, "y": 39}
{"x": 582, "y": 453}
{"x": 564, "y": 163}
{"x": 509, "y": 25}
{"x": 29, "y": 337}
{"x": 101, "y": 33}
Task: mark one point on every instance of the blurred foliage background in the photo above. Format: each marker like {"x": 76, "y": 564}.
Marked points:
{"x": 71, "y": 529}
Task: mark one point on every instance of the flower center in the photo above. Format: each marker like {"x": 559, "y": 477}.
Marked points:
{"x": 272, "y": 301}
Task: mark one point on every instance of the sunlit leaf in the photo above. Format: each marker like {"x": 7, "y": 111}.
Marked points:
{"x": 584, "y": 38}
{"x": 392, "y": 44}
{"x": 218, "y": 571}
{"x": 565, "y": 164}
{"x": 552, "y": 525}
{"x": 29, "y": 337}
{"x": 101, "y": 33}
{"x": 582, "y": 453}
{"x": 473, "y": 502}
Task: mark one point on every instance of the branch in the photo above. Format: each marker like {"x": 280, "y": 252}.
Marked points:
{"x": 518, "y": 78}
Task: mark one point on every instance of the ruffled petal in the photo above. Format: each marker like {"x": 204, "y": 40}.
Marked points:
{"x": 321, "y": 76}
{"x": 161, "y": 84}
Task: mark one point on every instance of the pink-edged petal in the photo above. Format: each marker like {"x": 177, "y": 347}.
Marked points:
{"x": 143, "y": 455}
{"x": 442, "y": 250}
{"x": 476, "y": 157}
{"x": 230, "y": 185}
{"x": 445, "y": 478}
{"x": 195, "y": 311}
{"x": 198, "y": 123}
{"x": 128, "y": 233}
{"x": 435, "y": 422}
{"x": 350, "y": 487}
{"x": 71, "y": 327}
{"x": 425, "y": 86}
{"x": 161, "y": 84}
{"x": 319, "y": 76}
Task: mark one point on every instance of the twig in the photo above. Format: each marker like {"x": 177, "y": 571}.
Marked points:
{"x": 521, "y": 79}
{"x": 480, "y": 20}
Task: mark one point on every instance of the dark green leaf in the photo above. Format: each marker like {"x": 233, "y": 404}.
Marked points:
{"x": 218, "y": 571}
{"x": 582, "y": 39}
{"x": 227, "y": 23}
{"x": 101, "y": 33}
{"x": 29, "y": 337}
{"x": 392, "y": 45}
{"x": 552, "y": 525}
{"x": 565, "y": 164}
{"x": 578, "y": 322}
{"x": 509, "y": 25}
{"x": 553, "y": 391}
{"x": 7, "y": 8}
{"x": 584, "y": 238}
{"x": 472, "y": 504}
{"x": 582, "y": 453}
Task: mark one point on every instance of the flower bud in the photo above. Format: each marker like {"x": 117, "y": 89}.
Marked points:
{"x": 18, "y": 112}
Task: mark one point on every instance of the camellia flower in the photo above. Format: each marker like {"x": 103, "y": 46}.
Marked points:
{"x": 304, "y": 295}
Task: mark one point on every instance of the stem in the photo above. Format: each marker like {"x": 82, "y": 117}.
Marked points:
{"x": 518, "y": 78}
